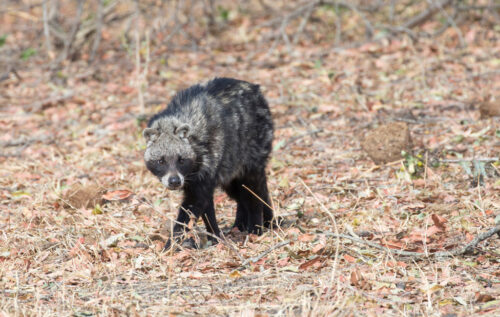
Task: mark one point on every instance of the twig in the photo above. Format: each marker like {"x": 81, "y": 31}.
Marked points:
{"x": 97, "y": 39}
{"x": 36, "y": 106}
{"x": 25, "y": 141}
{"x": 368, "y": 27}
{"x": 302, "y": 25}
{"x": 263, "y": 254}
{"x": 6, "y": 75}
{"x": 335, "y": 227}
{"x": 426, "y": 15}
{"x": 46, "y": 30}
{"x": 480, "y": 159}
{"x": 417, "y": 255}
{"x": 71, "y": 38}
{"x": 300, "y": 136}
{"x": 452, "y": 23}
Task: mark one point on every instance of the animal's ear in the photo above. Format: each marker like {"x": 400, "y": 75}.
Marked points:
{"x": 182, "y": 131}
{"x": 150, "y": 134}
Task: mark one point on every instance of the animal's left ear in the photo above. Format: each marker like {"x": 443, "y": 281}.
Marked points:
{"x": 182, "y": 131}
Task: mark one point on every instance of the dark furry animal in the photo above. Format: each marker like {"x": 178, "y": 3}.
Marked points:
{"x": 218, "y": 133}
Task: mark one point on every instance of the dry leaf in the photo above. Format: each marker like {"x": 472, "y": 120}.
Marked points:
{"x": 117, "y": 195}
{"x": 306, "y": 265}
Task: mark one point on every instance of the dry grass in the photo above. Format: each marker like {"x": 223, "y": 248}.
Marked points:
{"x": 65, "y": 256}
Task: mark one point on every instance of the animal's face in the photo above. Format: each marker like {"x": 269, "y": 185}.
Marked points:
{"x": 169, "y": 155}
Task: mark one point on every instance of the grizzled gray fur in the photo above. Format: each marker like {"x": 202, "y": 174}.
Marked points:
{"x": 214, "y": 134}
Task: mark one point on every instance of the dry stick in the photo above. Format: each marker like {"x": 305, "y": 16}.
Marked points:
{"x": 337, "y": 242}
{"x": 368, "y": 27}
{"x": 458, "y": 251}
{"x": 219, "y": 239}
{"x": 263, "y": 254}
{"x": 452, "y": 23}
{"x": 338, "y": 26}
{"x": 97, "y": 39}
{"x": 38, "y": 105}
{"x": 297, "y": 137}
{"x": 46, "y": 30}
{"x": 140, "y": 95}
{"x": 426, "y": 15}
{"x": 25, "y": 141}
{"x": 481, "y": 159}
{"x": 71, "y": 38}
{"x": 302, "y": 25}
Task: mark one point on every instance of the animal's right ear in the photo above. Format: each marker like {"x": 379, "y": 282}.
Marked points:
{"x": 150, "y": 134}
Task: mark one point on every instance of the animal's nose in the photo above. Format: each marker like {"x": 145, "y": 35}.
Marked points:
{"x": 174, "y": 181}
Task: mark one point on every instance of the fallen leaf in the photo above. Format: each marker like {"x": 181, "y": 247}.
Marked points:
{"x": 117, "y": 195}
{"x": 483, "y": 298}
{"x": 309, "y": 263}
{"x": 439, "y": 221}
{"x": 307, "y": 237}
{"x": 349, "y": 258}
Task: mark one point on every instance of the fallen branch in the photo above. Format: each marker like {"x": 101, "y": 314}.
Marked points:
{"x": 263, "y": 254}
{"x": 479, "y": 159}
{"x": 417, "y": 255}
{"x": 427, "y": 14}
{"x": 300, "y": 136}
{"x": 38, "y": 105}
{"x": 25, "y": 141}
{"x": 98, "y": 31}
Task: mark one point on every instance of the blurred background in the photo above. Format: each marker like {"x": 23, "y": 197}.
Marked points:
{"x": 387, "y": 128}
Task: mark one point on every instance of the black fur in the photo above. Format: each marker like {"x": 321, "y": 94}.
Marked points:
{"x": 229, "y": 130}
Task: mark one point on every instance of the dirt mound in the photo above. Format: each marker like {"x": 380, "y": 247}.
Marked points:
{"x": 79, "y": 196}
{"x": 490, "y": 109}
{"x": 385, "y": 143}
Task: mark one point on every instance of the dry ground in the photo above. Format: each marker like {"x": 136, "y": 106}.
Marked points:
{"x": 66, "y": 250}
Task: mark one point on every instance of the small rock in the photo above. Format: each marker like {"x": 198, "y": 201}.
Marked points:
{"x": 385, "y": 143}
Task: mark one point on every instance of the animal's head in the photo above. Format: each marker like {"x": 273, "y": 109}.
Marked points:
{"x": 169, "y": 154}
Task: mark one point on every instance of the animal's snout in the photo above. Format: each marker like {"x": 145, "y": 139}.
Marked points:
{"x": 174, "y": 181}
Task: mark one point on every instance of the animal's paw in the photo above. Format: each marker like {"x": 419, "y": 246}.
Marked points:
{"x": 175, "y": 243}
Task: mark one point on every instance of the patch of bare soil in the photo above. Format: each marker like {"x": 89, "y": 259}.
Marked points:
{"x": 385, "y": 143}
{"x": 490, "y": 109}
{"x": 83, "y": 196}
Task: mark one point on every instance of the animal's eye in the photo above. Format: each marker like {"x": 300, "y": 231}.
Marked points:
{"x": 181, "y": 160}
{"x": 161, "y": 161}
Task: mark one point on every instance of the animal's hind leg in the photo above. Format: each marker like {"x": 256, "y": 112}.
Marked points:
{"x": 234, "y": 190}
{"x": 267, "y": 212}
{"x": 252, "y": 199}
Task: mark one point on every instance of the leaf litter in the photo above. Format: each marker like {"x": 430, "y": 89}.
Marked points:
{"x": 82, "y": 222}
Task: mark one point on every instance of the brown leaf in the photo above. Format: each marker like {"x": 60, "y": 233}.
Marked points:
{"x": 309, "y": 263}
{"x": 120, "y": 194}
{"x": 307, "y": 237}
{"x": 439, "y": 221}
{"x": 483, "y": 298}
{"x": 349, "y": 258}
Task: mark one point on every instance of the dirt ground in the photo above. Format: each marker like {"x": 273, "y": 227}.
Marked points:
{"x": 83, "y": 223}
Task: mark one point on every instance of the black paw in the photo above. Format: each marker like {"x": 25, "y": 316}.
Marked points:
{"x": 173, "y": 244}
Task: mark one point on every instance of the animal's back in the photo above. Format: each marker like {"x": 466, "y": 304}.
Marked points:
{"x": 246, "y": 123}
{"x": 231, "y": 123}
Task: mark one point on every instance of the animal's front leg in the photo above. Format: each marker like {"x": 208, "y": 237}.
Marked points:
{"x": 198, "y": 200}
